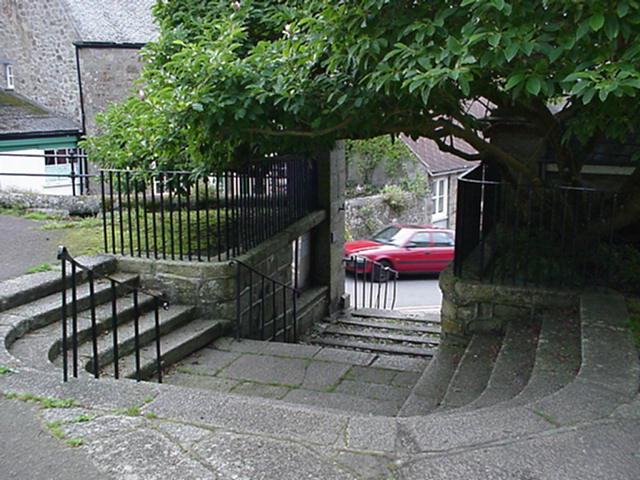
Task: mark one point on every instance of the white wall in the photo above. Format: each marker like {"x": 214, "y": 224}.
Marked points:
{"x": 32, "y": 161}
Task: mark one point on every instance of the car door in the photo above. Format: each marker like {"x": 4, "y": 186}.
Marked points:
{"x": 417, "y": 257}
{"x": 441, "y": 250}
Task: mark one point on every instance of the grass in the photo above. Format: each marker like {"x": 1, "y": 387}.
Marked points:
{"x": 633, "y": 304}
{"x": 132, "y": 411}
{"x": 5, "y": 370}
{"x": 43, "y": 267}
{"x": 56, "y": 429}
{"x": 74, "y": 442}
{"x": 44, "y": 402}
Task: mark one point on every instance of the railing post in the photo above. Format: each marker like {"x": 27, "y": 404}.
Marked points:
{"x": 238, "y": 302}
{"x": 63, "y": 313}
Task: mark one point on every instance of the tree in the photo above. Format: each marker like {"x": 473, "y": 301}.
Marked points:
{"x": 229, "y": 79}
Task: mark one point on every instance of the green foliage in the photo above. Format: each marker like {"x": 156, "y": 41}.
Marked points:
{"x": 45, "y": 402}
{"x": 368, "y": 154}
{"x": 43, "y": 267}
{"x": 74, "y": 442}
{"x": 417, "y": 184}
{"x": 633, "y": 304}
{"x": 393, "y": 196}
{"x": 5, "y": 370}
{"x": 56, "y": 429}
{"x": 132, "y": 411}
{"x": 230, "y": 79}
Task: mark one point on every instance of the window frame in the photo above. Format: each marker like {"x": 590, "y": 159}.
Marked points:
{"x": 440, "y": 192}
{"x": 9, "y": 76}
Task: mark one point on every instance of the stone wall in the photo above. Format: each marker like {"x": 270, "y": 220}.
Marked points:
{"x": 470, "y": 307}
{"x": 37, "y": 36}
{"x": 211, "y": 286}
{"x": 366, "y": 215}
{"x": 65, "y": 204}
{"x": 108, "y": 75}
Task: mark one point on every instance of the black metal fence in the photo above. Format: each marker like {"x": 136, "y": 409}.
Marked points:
{"x": 374, "y": 284}
{"x": 520, "y": 234}
{"x": 56, "y": 166}
{"x": 266, "y": 308}
{"x": 76, "y": 331}
{"x": 184, "y": 216}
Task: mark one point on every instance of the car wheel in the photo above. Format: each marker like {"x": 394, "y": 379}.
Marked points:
{"x": 380, "y": 272}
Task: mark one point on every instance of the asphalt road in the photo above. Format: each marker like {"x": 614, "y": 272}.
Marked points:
{"x": 415, "y": 293}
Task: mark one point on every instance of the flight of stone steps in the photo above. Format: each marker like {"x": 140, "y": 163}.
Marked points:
{"x": 380, "y": 331}
{"x": 37, "y": 337}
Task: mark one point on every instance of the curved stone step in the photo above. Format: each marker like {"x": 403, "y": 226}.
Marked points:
{"x": 513, "y": 365}
{"x": 557, "y": 357}
{"x": 40, "y": 347}
{"x": 29, "y": 288}
{"x": 45, "y": 311}
{"x": 431, "y": 387}
{"x": 174, "y": 347}
{"x": 175, "y": 317}
{"x": 473, "y": 372}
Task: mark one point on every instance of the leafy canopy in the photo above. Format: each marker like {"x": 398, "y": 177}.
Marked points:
{"x": 228, "y": 79}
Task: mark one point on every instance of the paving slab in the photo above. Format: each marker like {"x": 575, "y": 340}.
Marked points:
{"x": 293, "y": 350}
{"x": 371, "y": 375}
{"x": 267, "y": 369}
{"x": 396, "y": 362}
{"x": 405, "y": 379}
{"x": 339, "y": 401}
{"x": 345, "y": 356}
{"x": 324, "y": 375}
{"x": 259, "y": 390}
{"x": 208, "y": 361}
{"x": 201, "y": 381}
{"x": 373, "y": 391}
{"x": 369, "y": 467}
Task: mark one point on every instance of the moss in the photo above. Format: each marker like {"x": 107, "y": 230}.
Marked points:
{"x": 43, "y": 267}
{"x": 633, "y": 304}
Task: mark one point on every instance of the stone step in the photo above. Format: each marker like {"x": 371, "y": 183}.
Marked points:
{"x": 43, "y": 345}
{"x": 46, "y": 310}
{"x": 170, "y": 320}
{"x": 393, "y": 315}
{"x": 391, "y": 337}
{"x": 513, "y": 365}
{"x": 29, "y": 288}
{"x": 431, "y": 387}
{"x": 174, "y": 346}
{"x": 404, "y": 327}
{"x": 557, "y": 357}
{"x": 374, "y": 347}
{"x": 473, "y": 371}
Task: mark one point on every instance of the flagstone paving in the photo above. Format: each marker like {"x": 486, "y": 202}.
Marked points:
{"x": 359, "y": 382}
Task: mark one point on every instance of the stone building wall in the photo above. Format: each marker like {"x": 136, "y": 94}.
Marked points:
{"x": 366, "y": 215}
{"x": 108, "y": 76}
{"x": 37, "y": 36}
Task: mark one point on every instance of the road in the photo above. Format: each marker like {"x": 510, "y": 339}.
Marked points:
{"x": 415, "y": 293}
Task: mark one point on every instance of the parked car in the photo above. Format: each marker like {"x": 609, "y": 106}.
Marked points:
{"x": 404, "y": 248}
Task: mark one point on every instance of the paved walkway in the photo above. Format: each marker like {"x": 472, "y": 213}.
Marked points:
{"x": 360, "y": 382}
{"x": 24, "y": 245}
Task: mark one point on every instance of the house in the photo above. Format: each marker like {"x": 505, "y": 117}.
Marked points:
{"x": 61, "y": 63}
{"x": 443, "y": 170}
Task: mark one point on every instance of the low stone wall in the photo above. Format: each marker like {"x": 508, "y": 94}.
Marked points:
{"x": 366, "y": 215}
{"x": 211, "y": 286}
{"x": 470, "y": 307}
{"x": 81, "y": 205}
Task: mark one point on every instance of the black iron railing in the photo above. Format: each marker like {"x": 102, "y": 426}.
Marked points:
{"x": 520, "y": 234}
{"x": 374, "y": 284}
{"x": 71, "y": 164}
{"x": 186, "y": 216}
{"x": 266, "y": 308}
{"x": 73, "y": 334}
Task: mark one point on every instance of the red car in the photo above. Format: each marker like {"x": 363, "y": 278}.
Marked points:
{"x": 406, "y": 248}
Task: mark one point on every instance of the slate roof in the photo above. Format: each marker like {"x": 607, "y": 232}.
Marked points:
{"x": 436, "y": 161}
{"x": 18, "y": 116}
{"x": 112, "y": 21}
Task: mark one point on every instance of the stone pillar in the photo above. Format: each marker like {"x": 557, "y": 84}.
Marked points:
{"x": 327, "y": 241}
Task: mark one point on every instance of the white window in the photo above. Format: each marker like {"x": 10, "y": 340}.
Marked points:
{"x": 440, "y": 203}
{"x": 8, "y": 70}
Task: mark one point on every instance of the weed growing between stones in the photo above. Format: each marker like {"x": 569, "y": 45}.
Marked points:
{"x": 5, "y": 370}
{"x": 44, "y": 402}
{"x": 56, "y": 429}
{"x": 43, "y": 267}
{"x": 633, "y": 304}
{"x": 132, "y": 411}
{"x": 74, "y": 442}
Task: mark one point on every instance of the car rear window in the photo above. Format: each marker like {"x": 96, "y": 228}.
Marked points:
{"x": 442, "y": 239}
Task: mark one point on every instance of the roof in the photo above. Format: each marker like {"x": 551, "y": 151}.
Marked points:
{"x": 20, "y": 117}
{"x": 435, "y": 160}
{"x": 113, "y": 21}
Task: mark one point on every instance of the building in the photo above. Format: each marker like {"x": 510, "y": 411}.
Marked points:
{"x": 61, "y": 63}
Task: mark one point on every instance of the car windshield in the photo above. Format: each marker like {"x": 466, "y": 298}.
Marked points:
{"x": 392, "y": 236}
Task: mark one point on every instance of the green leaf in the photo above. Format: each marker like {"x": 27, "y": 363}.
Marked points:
{"x": 611, "y": 27}
{"x": 494, "y": 39}
{"x": 197, "y": 107}
{"x": 514, "y": 80}
{"x": 511, "y": 51}
{"x": 603, "y": 94}
{"x": 623, "y": 9}
{"x": 533, "y": 85}
{"x": 596, "y": 22}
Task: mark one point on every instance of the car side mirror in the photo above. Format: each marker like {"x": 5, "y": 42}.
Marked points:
{"x": 411, "y": 245}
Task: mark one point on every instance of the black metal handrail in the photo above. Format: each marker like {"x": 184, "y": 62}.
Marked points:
{"x": 180, "y": 215}
{"x": 266, "y": 315}
{"x": 369, "y": 273}
{"x": 521, "y": 234}
{"x": 159, "y": 301}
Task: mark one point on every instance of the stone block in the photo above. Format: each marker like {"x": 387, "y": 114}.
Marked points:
{"x": 511, "y": 312}
{"x": 468, "y": 313}
{"x": 141, "y": 266}
{"x": 251, "y": 389}
{"x": 218, "y": 290}
{"x": 512, "y": 296}
{"x": 467, "y": 292}
{"x": 180, "y": 289}
{"x": 452, "y": 326}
